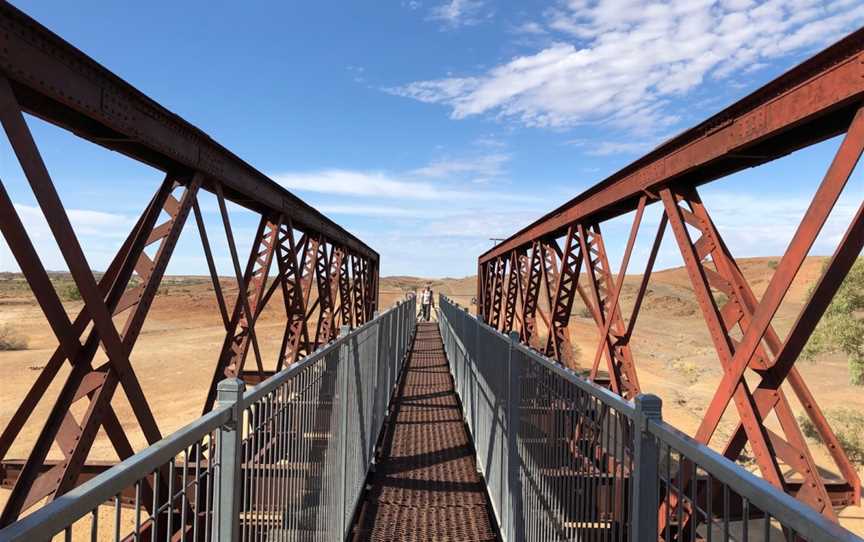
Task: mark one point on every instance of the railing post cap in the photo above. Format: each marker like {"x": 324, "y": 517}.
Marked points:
{"x": 230, "y": 387}
{"x": 649, "y": 405}
{"x": 344, "y": 330}
{"x": 375, "y": 314}
{"x": 514, "y": 336}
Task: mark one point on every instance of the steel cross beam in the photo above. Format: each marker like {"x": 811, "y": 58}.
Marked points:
{"x": 531, "y": 293}
{"x": 370, "y": 276}
{"x": 812, "y": 102}
{"x": 621, "y": 377}
{"x": 357, "y": 289}
{"x": 61, "y": 85}
{"x": 512, "y": 292}
{"x": 821, "y": 98}
{"x": 251, "y": 288}
{"x": 295, "y": 340}
{"x": 46, "y": 77}
{"x": 561, "y": 287}
{"x": 345, "y": 292}
{"x": 327, "y": 268}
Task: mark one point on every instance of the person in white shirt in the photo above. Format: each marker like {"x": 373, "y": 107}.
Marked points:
{"x": 427, "y": 302}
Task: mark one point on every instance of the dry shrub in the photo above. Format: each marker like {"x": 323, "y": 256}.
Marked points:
{"x": 11, "y": 339}
{"x": 686, "y": 368}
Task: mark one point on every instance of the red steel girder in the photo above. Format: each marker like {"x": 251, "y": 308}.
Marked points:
{"x": 512, "y": 293}
{"x": 44, "y": 76}
{"x": 761, "y": 348}
{"x": 812, "y": 102}
{"x": 531, "y": 293}
{"x": 562, "y": 285}
{"x": 622, "y": 377}
{"x": 480, "y": 298}
{"x": 372, "y": 276}
{"x": 345, "y": 298}
{"x": 295, "y": 340}
{"x": 497, "y": 291}
{"x": 327, "y": 268}
{"x": 61, "y": 85}
{"x": 357, "y": 289}
{"x": 816, "y": 100}
{"x": 250, "y": 291}
{"x": 98, "y": 386}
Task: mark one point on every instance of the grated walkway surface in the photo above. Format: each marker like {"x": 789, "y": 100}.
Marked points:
{"x": 426, "y": 486}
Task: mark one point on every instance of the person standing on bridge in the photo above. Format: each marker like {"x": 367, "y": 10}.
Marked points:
{"x": 427, "y": 302}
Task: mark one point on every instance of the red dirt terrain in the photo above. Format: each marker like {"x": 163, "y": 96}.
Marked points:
{"x": 180, "y": 342}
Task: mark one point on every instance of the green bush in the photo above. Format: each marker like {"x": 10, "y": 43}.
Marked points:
{"x": 71, "y": 293}
{"x": 848, "y": 425}
{"x": 10, "y": 339}
{"x": 842, "y": 327}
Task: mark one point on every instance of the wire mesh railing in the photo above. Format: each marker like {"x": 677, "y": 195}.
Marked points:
{"x": 285, "y": 460}
{"x": 564, "y": 459}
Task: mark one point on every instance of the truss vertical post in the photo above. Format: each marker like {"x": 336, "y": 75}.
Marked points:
{"x": 565, "y": 283}
{"x": 531, "y": 293}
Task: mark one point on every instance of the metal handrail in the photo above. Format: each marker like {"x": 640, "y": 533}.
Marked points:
{"x": 206, "y": 433}
{"x": 788, "y": 510}
{"x": 650, "y": 439}
{"x": 69, "y": 507}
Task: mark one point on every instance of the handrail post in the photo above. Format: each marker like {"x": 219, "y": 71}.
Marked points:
{"x": 513, "y": 504}
{"x": 645, "y": 500}
{"x": 344, "y": 371}
{"x": 466, "y": 371}
{"x": 376, "y": 392}
{"x": 229, "y": 442}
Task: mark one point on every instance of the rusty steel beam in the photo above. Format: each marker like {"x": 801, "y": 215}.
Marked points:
{"x": 531, "y": 293}
{"x": 295, "y": 339}
{"x": 820, "y": 98}
{"x": 812, "y": 102}
{"x": 61, "y": 85}
{"x": 561, "y": 286}
{"x": 46, "y": 77}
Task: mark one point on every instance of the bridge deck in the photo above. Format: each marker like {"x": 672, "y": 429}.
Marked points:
{"x": 425, "y": 486}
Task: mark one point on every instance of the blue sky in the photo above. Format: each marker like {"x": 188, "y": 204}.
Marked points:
{"x": 427, "y": 127}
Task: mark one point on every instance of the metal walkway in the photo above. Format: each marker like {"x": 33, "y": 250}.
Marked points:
{"x": 426, "y": 486}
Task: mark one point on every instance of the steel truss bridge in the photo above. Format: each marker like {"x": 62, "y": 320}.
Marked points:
{"x": 608, "y": 437}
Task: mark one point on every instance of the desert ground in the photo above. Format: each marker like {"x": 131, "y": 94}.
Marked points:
{"x": 176, "y": 352}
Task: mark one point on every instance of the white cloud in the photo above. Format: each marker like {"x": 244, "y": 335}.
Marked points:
{"x": 456, "y": 13}
{"x": 530, "y": 27}
{"x": 608, "y": 148}
{"x": 490, "y": 142}
{"x": 446, "y": 178}
{"x": 386, "y": 211}
{"x": 99, "y": 233}
{"x": 380, "y": 185}
{"x": 447, "y": 244}
{"x": 428, "y": 221}
{"x": 356, "y": 183}
{"x": 85, "y": 222}
{"x": 754, "y": 225}
{"x": 485, "y": 166}
{"x": 620, "y": 61}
